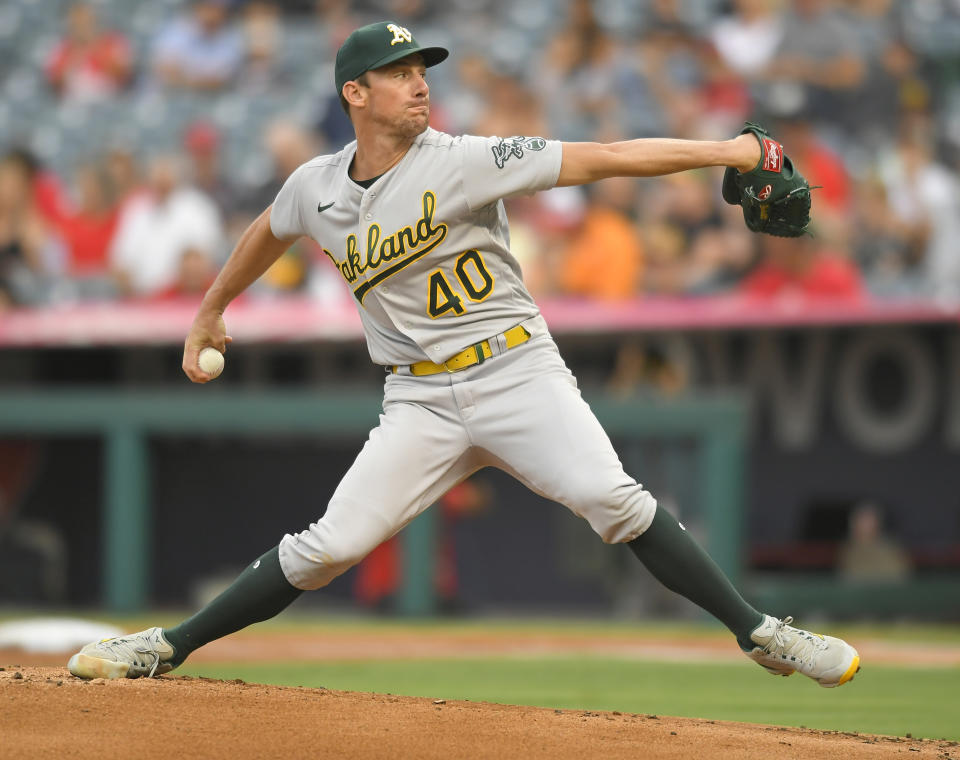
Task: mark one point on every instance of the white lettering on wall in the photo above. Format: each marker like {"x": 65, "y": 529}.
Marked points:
{"x": 886, "y": 430}
{"x": 951, "y": 428}
{"x": 793, "y": 387}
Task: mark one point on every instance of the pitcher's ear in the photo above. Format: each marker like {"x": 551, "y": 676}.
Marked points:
{"x": 354, "y": 94}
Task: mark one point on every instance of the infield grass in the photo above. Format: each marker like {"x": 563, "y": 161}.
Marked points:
{"x": 887, "y": 700}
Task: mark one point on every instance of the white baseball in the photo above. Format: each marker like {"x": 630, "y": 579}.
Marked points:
{"x": 210, "y": 361}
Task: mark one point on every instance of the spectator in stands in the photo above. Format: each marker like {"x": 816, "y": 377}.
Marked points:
{"x": 669, "y": 32}
{"x": 722, "y": 100}
{"x": 823, "y": 169}
{"x": 891, "y": 76}
{"x": 689, "y": 70}
{"x": 263, "y": 70}
{"x": 89, "y": 64}
{"x": 511, "y": 108}
{"x": 671, "y": 52}
{"x": 924, "y": 196}
{"x": 870, "y": 554}
{"x": 541, "y": 227}
{"x": 202, "y": 142}
{"x": 335, "y": 21}
{"x": 468, "y": 101}
{"x": 933, "y": 24}
{"x": 603, "y": 259}
{"x": 88, "y": 230}
{"x": 748, "y": 37}
{"x": 162, "y": 226}
{"x": 288, "y": 145}
{"x": 29, "y": 250}
{"x": 587, "y": 80}
{"x": 818, "y": 163}
{"x": 886, "y": 249}
{"x": 686, "y": 200}
{"x": 818, "y": 65}
{"x": 194, "y": 277}
{"x": 803, "y": 269}
{"x": 666, "y": 264}
{"x": 123, "y": 172}
{"x": 49, "y": 198}
{"x": 331, "y": 123}
{"x": 414, "y": 11}
{"x": 716, "y": 249}
{"x": 721, "y": 256}
{"x": 202, "y": 51}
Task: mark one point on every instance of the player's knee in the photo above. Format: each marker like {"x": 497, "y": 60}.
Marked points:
{"x": 588, "y": 495}
{"x": 313, "y": 558}
{"x": 620, "y": 514}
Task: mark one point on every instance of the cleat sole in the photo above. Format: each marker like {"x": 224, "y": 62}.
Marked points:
{"x": 851, "y": 671}
{"x": 847, "y": 676}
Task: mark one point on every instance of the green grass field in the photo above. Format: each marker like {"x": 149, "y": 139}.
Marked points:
{"x": 882, "y": 699}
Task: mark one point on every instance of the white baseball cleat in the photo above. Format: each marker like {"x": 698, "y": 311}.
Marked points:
{"x": 783, "y": 649}
{"x": 139, "y": 654}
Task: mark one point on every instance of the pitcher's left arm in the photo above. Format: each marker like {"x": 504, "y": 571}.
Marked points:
{"x": 585, "y": 162}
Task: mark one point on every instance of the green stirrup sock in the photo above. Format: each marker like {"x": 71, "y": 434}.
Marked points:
{"x": 680, "y": 564}
{"x": 260, "y": 592}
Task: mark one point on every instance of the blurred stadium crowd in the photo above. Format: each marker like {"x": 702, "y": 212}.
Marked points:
{"x": 137, "y": 140}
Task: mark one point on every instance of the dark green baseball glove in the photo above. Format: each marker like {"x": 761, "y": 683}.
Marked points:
{"x": 774, "y": 195}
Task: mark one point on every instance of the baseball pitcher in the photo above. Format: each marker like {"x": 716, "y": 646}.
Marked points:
{"x": 413, "y": 219}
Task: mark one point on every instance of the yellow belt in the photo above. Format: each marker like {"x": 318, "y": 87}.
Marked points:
{"x": 475, "y": 354}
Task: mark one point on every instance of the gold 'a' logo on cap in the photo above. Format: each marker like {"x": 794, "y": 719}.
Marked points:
{"x": 400, "y": 34}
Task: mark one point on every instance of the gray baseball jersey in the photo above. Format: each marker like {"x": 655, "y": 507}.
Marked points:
{"x": 425, "y": 248}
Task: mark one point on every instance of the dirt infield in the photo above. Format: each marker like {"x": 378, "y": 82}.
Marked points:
{"x": 46, "y": 713}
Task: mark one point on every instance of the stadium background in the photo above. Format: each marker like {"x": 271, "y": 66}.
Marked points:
{"x": 837, "y": 354}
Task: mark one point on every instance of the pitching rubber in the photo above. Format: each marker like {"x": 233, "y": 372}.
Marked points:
{"x": 85, "y": 666}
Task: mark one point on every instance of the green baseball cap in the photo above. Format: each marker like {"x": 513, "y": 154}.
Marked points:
{"x": 375, "y": 45}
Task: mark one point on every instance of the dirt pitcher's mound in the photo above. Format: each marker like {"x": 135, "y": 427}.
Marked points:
{"x": 45, "y": 712}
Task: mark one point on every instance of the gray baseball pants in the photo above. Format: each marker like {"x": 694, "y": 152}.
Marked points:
{"x": 520, "y": 411}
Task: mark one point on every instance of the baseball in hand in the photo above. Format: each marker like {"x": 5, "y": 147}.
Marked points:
{"x": 211, "y": 361}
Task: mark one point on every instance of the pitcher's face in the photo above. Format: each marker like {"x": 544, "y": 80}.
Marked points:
{"x": 398, "y": 96}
